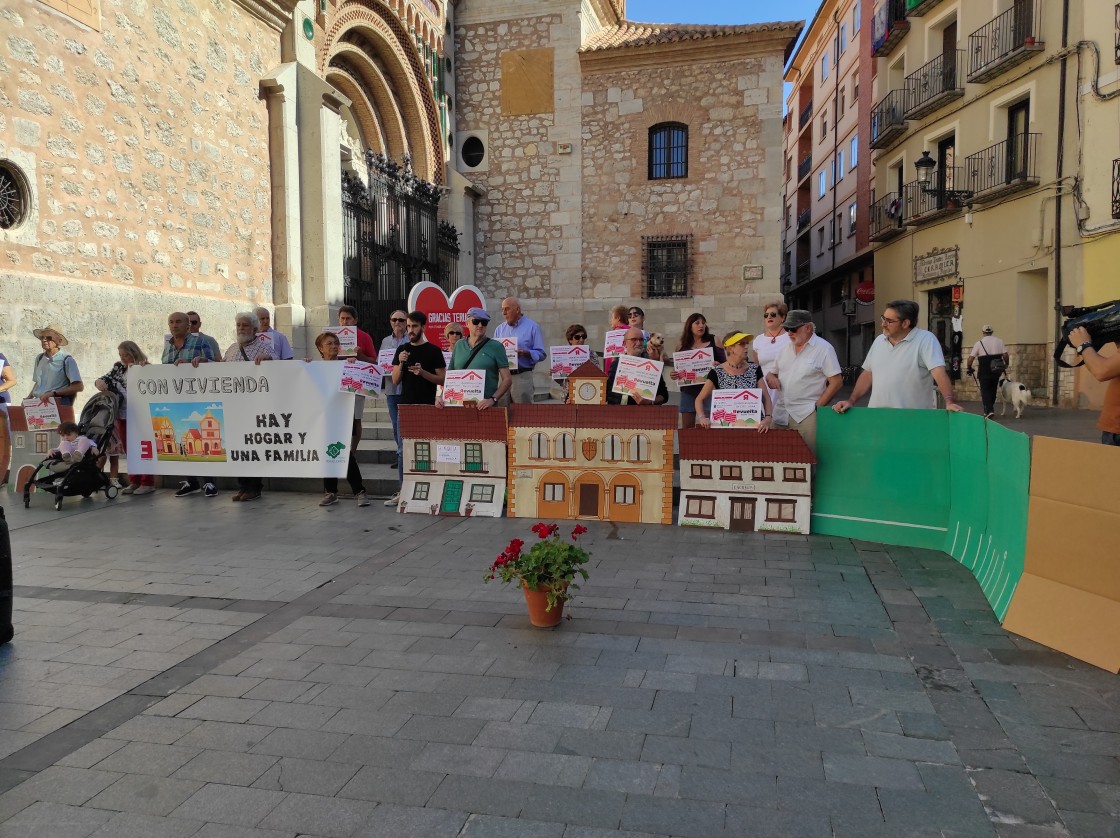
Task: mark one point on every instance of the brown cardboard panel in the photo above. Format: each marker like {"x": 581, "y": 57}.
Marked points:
{"x": 1076, "y": 472}
{"x": 527, "y": 82}
{"x": 1074, "y": 545}
{"x": 1079, "y": 623}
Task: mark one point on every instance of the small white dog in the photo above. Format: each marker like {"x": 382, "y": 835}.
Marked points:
{"x": 1013, "y": 393}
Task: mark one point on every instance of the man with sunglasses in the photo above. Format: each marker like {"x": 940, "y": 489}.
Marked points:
{"x": 903, "y": 366}
{"x": 195, "y": 323}
{"x": 807, "y": 374}
{"x": 392, "y": 392}
{"x": 633, "y": 343}
{"x": 478, "y": 352}
{"x": 530, "y": 348}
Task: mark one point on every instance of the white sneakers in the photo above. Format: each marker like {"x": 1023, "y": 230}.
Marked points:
{"x": 394, "y": 500}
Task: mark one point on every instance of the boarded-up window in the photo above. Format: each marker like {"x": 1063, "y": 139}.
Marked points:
{"x": 83, "y": 11}
{"x": 527, "y": 82}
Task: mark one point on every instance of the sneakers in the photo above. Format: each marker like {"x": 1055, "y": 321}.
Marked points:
{"x": 394, "y": 500}
{"x": 187, "y": 488}
{"x": 210, "y": 490}
{"x": 361, "y": 499}
{"x": 140, "y": 490}
{"x": 129, "y": 489}
{"x": 329, "y": 499}
{"x": 989, "y": 416}
{"x": 115, "y": 483}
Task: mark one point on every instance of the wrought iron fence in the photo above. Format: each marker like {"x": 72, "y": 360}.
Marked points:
{"x": 1011, "y": 162}
{"x": 805, "y": 115}
{"x": 804, "y": 167}
{"x": 888, "y": 118}
{"x": 392, "y": 239}
{"x": 933, "y": 80}
{"x": 886, "y": 216}
{"x": 889, "y": 26}
{"x": 803, "y": 219}
{"x": 923, "y": 199}
{"x": 1001, "y": 36}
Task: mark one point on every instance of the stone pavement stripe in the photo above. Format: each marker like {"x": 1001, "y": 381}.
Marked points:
{"x": 49, "y": 749}
{"x": 162, "y": 600}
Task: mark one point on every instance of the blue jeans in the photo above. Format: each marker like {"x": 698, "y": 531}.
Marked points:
{"x": 1109, "y": 438}
{"x": 391, "y": 402}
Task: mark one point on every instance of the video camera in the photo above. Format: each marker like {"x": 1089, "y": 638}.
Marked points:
{"x": 1102, "y": 322}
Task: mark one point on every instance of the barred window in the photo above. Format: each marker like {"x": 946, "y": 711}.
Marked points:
{"x": 668, "y": 151}
{"x": 667, "y": 265}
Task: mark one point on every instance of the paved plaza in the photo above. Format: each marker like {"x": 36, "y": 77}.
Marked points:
{"x": 200, "y": 668}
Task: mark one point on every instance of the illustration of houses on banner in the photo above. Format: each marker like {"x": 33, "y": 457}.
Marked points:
{"x": 591, "y": 461}
{"x": 740, "y": 479}
{"x": 454, "y": 460}
{"x": 188, "y": 430}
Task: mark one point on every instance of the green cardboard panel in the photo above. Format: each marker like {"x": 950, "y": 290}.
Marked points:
{"x": 1009, "y": 474}
{"x": 883, "y": 475}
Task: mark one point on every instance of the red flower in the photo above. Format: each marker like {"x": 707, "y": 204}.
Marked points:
{"x": 515, "y": 546}
{"x": 578, "y": 531}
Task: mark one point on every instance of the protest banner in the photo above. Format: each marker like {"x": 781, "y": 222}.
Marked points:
{"x": 640, "y": 374}
{"x": 510, "y": 346}
{"x": 693, "y": 365}
{"x": 361, "y": 379}
{"x": 433, "y": 301}
{"x": 736, "y": 408}
{"x": 613, "y": 345}
{"x": 462, "y": 386}
{"x": 347, "y": 339}
{"x": 41, "y": 417}
{"x": 564, "y": 359}
{"x": 280, "y": 419}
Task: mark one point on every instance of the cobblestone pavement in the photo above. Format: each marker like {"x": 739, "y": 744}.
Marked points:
{"x": 196, "y": 667}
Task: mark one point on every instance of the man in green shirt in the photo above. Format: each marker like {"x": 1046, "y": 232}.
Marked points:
{"x": 478, "y": 352}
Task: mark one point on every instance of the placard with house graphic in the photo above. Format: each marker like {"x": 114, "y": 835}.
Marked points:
{"x": 640, "y": 375}
{"x": 693, "y": 365}
{"x": 463, "y": 386}
{"x": 510, "y": 346}
{"x": 347, "y": 339}
{"x": 563, "y": 360}
{"x": 361, "y": 378}
{"x": 736, "y": 408}
{"x": 613, "y": 345}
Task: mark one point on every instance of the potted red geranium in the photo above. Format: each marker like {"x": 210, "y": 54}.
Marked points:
{"x": 546, "y": 571}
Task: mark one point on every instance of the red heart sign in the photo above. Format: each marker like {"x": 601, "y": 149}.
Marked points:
{"x": 432, "y": 300}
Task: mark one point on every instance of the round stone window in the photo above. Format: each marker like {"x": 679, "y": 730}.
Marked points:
{"x": 473, "y": 152}
{"x": 15, "y": 196}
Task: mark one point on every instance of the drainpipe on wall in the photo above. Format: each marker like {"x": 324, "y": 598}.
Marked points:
{"x": 1055, "y": 384}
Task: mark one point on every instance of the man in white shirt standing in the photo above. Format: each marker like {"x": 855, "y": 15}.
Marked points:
{"x": 903, "y": 366}
{"x": 281, "y": 347}
{"x": 807, "y": 372}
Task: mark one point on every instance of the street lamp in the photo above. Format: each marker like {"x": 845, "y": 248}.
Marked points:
{"x": 926, "y": 166}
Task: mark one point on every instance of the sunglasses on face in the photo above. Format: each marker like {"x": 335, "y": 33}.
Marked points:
{"x": 476, "y": 322}
{"x": 196, "y": 322}
{"x": 455, "y": 334}
{"x": 396, "y": 319}
{"x": 770, "y": 315}
{"x": 580, "y": 336}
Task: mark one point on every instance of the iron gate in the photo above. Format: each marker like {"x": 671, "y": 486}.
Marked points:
{"x": 393, "y": 240}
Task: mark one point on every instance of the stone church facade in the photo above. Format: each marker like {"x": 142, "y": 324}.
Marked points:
{"x": 189, "y": 154}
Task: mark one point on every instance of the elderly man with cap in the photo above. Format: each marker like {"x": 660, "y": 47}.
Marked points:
{"x": 281, "y": 346}
{"x": 530, "y": 348}
{"x": 807, "y": 374}
{"x": 56, "y": 372}
{"x": 478, "y": 352}
{"x": 991, "y": 354}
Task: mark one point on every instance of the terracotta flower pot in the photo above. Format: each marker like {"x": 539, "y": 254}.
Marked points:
{"x": 537, "y": 603}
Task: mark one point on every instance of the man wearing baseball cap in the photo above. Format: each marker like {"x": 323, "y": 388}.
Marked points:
{"x": 988, "y": 352}
{"x": 478, "y": 352}
{"x": 56, "y": 372}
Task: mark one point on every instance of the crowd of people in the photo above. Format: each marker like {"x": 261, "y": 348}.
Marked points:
{"x": 797, "y": 371}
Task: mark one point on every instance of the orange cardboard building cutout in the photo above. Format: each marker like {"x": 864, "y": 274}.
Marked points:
{"x": 609, "y": 463}
{"x": 29, "y": 446}
{"x": 587, "y": 384}
{"x": 739, "y": 479}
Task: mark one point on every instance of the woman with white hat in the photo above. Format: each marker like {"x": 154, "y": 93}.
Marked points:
{"x": 56, "y": 373}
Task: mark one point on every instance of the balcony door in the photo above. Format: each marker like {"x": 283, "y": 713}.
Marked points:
{"x": 1018, "y": 120}
{"x": 946, "y": 167}
{"x": 949, "y": 57}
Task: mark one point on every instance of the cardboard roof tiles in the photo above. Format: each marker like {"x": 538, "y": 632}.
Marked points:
{"x": 422, "y": 421}
{"x": 744, "y": 445}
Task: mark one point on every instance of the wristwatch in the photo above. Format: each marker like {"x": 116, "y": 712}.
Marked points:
{"x": 1086, "y": 345}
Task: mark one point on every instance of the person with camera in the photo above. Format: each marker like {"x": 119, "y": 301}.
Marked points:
{"x": 1102, "y": 368}
{"x": 991, "y": 356}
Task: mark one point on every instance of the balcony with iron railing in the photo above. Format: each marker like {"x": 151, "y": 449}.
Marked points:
{"x": 1116, "y": 188}
{"x": 935, "y": 84}
{"x": 889, "y": 27}
{"x": 803, "y": 219}
{"x": 886, "y": 218}
{"x": 918, "y": 8}
{"x": 804, "y": 167}
{"x": 802, "y": 271}
{"x": 1001, "y": 43}
{"x": 805, "y": 116}
{"x": 888, "y": 121}
{"x": 923, "y": 202}
{"x": 1003, "y": 168}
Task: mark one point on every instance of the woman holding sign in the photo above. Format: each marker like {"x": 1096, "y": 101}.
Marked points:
{"x": 695, "y": 335}
{"x": 736, "y": 373}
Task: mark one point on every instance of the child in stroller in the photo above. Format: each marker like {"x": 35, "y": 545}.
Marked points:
{"x": 74, "y": 468}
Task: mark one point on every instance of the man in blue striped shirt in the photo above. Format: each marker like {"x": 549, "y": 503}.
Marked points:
{"x": 530, "y": 348}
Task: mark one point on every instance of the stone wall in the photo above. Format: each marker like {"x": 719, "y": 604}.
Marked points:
{"x": 146, "y": 148}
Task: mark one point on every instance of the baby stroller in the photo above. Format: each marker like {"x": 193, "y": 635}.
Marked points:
{"x": 84, "y": 477}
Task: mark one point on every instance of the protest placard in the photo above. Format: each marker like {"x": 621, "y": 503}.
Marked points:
{"x": 637, "y": 374}
{"x": 693, "y": 365}
{"x": 736, "y": 408}
{"x": 347, "y": 339}
{"x": 510, "y": 346}
{"x": 613, "y": 345}
{"x": 361, "y": 379}
{"x": 564, "y": 359}
{"x": 41, "y": 417}
{"x": 462, "y": 386}
{"x": 385, "y": 361}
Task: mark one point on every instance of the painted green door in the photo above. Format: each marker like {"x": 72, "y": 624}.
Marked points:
{"x": 452, "y": 495}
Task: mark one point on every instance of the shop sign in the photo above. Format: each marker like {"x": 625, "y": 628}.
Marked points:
{"x": 936, "y": 265}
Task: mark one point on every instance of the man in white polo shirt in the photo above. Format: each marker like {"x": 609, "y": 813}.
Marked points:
{"x": 903, "y": 365}
{"x": 807, "y": 372}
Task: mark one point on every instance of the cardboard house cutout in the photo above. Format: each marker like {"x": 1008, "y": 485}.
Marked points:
{"x": 454, "y": 460}
{"x": 739, "y": 479}
{"x": 598, "y": 462}
{"x": 587, "y": 384}
{"x": 29, "y": 445}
